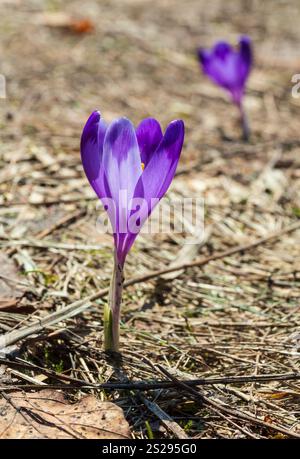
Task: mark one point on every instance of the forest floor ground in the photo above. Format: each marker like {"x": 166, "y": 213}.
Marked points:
{"x": 235, "y": 316}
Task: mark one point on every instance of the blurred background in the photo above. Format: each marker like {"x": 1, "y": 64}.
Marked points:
{"x": 137, "y": 58}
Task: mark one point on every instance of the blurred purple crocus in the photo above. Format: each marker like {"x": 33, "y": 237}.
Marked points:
{"x": 230, "y": 68}
{"x": 130, "y": 170}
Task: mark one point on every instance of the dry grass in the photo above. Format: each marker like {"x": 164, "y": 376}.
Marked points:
{"x": 235, "y": 316}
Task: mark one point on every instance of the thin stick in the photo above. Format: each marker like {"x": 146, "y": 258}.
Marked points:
{"x": 63, "y": 221}
{"x": 203, "y": 261}
{"x": 42, "y": 234}
{"x": 165, "y": 419}
{"x": 142, "y": 385}
{"x": 219, "y": 406}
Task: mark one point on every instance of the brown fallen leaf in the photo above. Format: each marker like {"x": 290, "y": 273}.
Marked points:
{"x": 47, "y": 414}
{"x": 268, "y": 419}
{"x": 65, "y": 21}
{"x": 11, "y": 283}
{"x": 8, "y": 303}
{"x": 82, "y": 26}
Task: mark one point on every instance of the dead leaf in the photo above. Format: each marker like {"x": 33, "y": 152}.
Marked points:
{"x": 11, "y": 283}
{"x": 268, "y": 419}
{"x": 8, "y": 303}
{"x": 47, "y": 414}
{"x": 82, "y": 26}
{"x": 65, "y": 21}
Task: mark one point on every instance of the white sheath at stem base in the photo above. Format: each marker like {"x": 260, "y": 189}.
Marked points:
{"x": 112, "y": 309}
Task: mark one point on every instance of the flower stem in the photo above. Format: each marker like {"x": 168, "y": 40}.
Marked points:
{"x": 244, "y": 123}
{"x": 112, "y": 309}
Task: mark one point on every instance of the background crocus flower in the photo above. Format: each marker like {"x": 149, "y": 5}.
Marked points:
{"x": 125, "y": 165}
{"x": 230, "y": 68}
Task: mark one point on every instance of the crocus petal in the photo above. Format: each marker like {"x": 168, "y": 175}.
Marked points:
{"x": 149, "y": 136}
{"x": 203, "y": 56}
{"x": 161, "y": 169}
{"x": 222, "y": 50}
{"x": 221, "y": 66}
{"x": 122, "y": 165}
{"x": 91, "y": 151}
{"x": 121, "y": 158}
{"x": 246, "y": 57}
{"x": 158, "y": 174}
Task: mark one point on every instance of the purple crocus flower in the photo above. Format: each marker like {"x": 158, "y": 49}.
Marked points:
{"x": 130, "y": 170}
{"x": 229, "y": 68}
